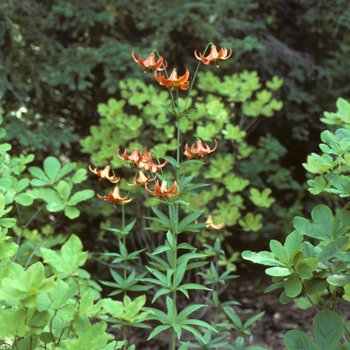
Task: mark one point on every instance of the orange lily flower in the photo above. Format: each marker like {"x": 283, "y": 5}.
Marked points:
{"x": 114, "y": 197}
{"x": 173, "y": 82}
{"x": 162, "y": 191}
{"x": 150, "y": 62}
{"x": 199, "y": 149}
{"x": 210, "y": 224}
{"x": 135, "y": 158}
{"x": 104, "y": 174}
{"x": 214, "y": 56}
{"x": 148, "y": 164}
{"x": 142, "y": 179}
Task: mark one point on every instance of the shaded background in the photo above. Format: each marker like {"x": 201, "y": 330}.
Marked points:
{"x": 59, "y": 59}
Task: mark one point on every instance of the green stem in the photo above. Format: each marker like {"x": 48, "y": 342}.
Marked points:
{"x": 124, "y": 272}
{"x": 174, "y": 294}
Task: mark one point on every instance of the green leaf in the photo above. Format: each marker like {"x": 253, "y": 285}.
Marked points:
{"x": 39, "y": 174}
{"x": 52, "y": 167}
{"x": 341, "y": 116}
{"x": 297, "y": 340}
{"x": 8, "y": 249}
{"x": 293, "y": 286}
{"x": 279, "y": 271}
{"x": 71, "y": 212}
{"x": 275, "y": 83}
{"x": 322, "y": 228}
{"x": 80, "y": 196}
{"x": 234, "y": 133}
{"x": 251, "y": 222}
{"x": 261, "y": 199}
{"x": 188, "y": 221}
{"x": 263, "y": 258}
{"x": 24, "y": 199}
{"x": 13, "y": 323}
{"x": 69, "y": 259}
{"x": 63, "y": 189}
{"x": 339, "y": 279}
{"x": 328, "y": 329}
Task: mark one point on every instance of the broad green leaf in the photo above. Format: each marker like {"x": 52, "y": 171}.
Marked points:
{"x": 72, "y": 252}
{"x": 338, "y": 279}
{"x": 328, "y": 329}
{"x": 13, "y": 323}
{"x": 263, "y": 258}
{"x": 40, "y": 175}
{"x": 322, "y": 228}
{"x": 69, "y": 259}
{"x": 279, "y": 271}
{"x": 8, "y": 249}
{"x": 80, "y": 196}
{"x": 293, "y": 286}
{"x": 315, "y": 285}
{"x": 261, "y": 199}
{"x": 293, "y": 243}
{"x": 251, "y": 222}
{"x": 63, "y": 189}
{"x": 78, "y": 177}
{"x": 71, "y": 212}
{"x": 67, "y": 169}
{"x": 297, "y": 340}
{"x": 24, "y": 199}
{"x": 275, "y": 83}
{"x": 279, "y": 251}
{"x": 52, "y": 166}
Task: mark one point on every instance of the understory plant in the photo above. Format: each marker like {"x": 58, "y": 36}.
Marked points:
{"x": 171, "y": 269}
{"x": 47, "y": 299}
{"x": 314, "y": 261}
{"x": 246, "y": 169}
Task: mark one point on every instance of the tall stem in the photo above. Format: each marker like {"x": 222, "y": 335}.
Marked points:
{"x": 124, "y": 272}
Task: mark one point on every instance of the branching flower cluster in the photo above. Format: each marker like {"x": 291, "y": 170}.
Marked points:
{"x": 144, "y": 160}
{"x": 169, "y": 277}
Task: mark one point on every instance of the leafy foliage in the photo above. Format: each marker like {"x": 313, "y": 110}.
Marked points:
{"x": 317, "y": 267}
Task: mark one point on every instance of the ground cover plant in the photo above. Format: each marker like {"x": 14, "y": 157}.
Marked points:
{"x": 314, "y": 260}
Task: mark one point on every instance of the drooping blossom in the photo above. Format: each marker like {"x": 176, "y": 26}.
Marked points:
{"x": 150, "y": 62}
{"x": 162, "y": 191}
{"x": 173, "y": 82}
{"x": 148, "y": 164}
{"x": 214, "y": 56}
{"x": 142, "y": 179}
{"x": 210, "y": 224}
{"x": 141, "y": 160}
{"x": 135, "y": 157}
{"x": 103, "y": 174}
{"x": 114, "y": 197}
{"x": 199, "y": 149}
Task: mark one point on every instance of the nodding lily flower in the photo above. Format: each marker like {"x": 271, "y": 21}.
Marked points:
{"x": 210, "y": 224}
{"x": 135, "y": 158}
{"x": 148, "y": 164}
{"x": 199, "y": 149}
{"x": 114, "y": 197}
{"x": 214, "y": 56}
{"x": 104, "y": 174}
{"x": 173, "y": 82}
{"x": 150, "y": 62}
{"x": 142, "y": 179}
{"x": 162, "y": 191}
